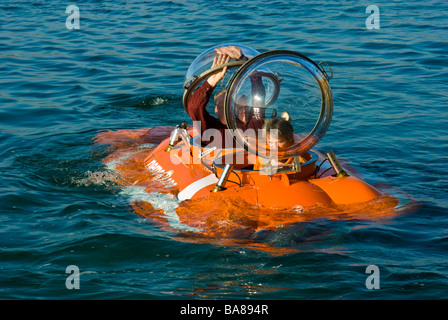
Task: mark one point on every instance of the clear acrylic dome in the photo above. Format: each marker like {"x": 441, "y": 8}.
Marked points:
{"x": 204, "y": 61}
{"x": 201, "y": 68}
{"x": 270, "y": 84}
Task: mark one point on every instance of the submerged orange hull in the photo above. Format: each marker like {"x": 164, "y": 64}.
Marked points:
{"x": 173, "y": 189}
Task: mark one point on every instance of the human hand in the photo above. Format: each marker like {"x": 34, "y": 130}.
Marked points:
{"x": 218, "y": 60}
{"x": 233, "y": 52}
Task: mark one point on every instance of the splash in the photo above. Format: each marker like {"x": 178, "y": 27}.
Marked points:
{"x": 165, "y": 203}
{"x": 98, "y": 178}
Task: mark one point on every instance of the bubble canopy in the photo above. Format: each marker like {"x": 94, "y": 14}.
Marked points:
{"x": 265, "y": 87}
{"x": 201, "y": 68}
{"x": 291, "y": 83}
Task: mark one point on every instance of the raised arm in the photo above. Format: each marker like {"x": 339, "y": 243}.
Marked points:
{"x": 220, "y": 59}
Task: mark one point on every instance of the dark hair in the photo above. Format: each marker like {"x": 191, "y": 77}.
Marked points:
{"x": 284, "y": 127}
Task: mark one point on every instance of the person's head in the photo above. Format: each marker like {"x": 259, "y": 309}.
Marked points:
{"x": 283, "y": 137}
{"x": 242, "y": 108}
{"x": 219, "y": 105}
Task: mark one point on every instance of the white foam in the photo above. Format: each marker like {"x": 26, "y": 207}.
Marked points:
{"x": 147, "y": 146}
{"x": 158, "y": 101}
{"x": 164, "y": 201}
{"x": 112, "y": 165}
{"x": 97, "y": 178}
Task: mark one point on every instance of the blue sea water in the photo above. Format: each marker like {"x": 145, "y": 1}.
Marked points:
{"x": 124, "y": 69}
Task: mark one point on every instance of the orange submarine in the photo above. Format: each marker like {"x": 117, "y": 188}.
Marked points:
{"x": 219, "y": 193}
